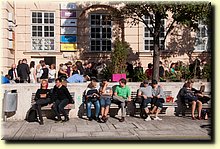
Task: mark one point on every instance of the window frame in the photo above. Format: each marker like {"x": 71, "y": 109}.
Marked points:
{"x": 43, "y": 24}
{"x": 151, "y": 38}
{"x": 100, "y": 26}
{"x": 197, "y": 48}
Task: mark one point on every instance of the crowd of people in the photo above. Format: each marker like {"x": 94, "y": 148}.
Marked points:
{"x": 102, "y": 95}
{"x": 73, "y": 73}
{"x": 78, "y": 72}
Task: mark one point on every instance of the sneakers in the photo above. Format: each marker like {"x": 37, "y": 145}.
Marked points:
{"x": 157, "y": 118}
{"x": 148, "y": 118}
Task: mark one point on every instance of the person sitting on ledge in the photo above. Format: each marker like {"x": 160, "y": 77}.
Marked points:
{"x": 122, "y": 94}
{"x": 158, "y": 99}
{"x": 42, "y": 98}
{"x": 62, "y": 98}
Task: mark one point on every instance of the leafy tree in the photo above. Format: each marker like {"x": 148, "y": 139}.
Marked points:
{"x": 187, "y": 14}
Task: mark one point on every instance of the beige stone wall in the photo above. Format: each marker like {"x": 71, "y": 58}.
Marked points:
{"x": 7, "y": 55}
{"x": 180, "y": 39}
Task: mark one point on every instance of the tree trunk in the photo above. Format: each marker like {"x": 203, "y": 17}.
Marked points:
{"x": 156, "y": 55}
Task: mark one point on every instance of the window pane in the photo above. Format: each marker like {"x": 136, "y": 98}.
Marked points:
{"x": 34, "y": 34}
{"x": 46, "y": 34}
{"x": 51, "y": 34}
{"x": 92, "y": 48}
{"x": 109, "y": 43}
{"x": 46, "y": 15}
{"x": 51, "y": 28}
{"x": 40, "y": 28}
{"x": 46, "y": 21}
{"x": 109, "y": 48}
{"x": 104, "y": 48}
{"x": 46, "y": 28}
{"x": 39, "y": 14}
{"x": 93, "y": 42}
{"x": 51, "y": 21}
{"x": 51, "y": 15}
{"x": 34, "y": 14}
{"x": 97, "y": 48}
{"x": 39, "y": 21}
{"x": 40, "y": 34}
{"x": 34, "y": 20}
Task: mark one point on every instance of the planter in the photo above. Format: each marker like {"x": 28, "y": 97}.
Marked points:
{"x": 118, "y": 76}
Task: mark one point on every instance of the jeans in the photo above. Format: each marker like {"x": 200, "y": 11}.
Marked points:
{"x": 105, "y": 101}
{"x": 158, "y": 102}
{"x": 58, "y": 107}
{"x": 146, "y": 102}
{"x": 40, "y": 103}
{"x": 89, "y": 110}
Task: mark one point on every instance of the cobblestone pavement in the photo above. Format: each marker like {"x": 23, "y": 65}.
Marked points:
{"x": 170, "y": 128}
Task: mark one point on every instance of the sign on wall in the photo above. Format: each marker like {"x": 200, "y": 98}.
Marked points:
{"x": 68, "y": 39}
{"x": 68, "y": 6}
{"x": 68, "y": 27}
{"x": 68, "y": 14}
{"x": 68, "y": 22}
{"x": 68, "y": 30}
{"x": 68, "y": 47}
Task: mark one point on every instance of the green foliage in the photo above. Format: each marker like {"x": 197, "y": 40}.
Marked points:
{"x": 139, "y": 76}
{"x": 107, "y": 72}
{"x": 119, "y": 56}
{"x": 187, "y": 14}
{"x": 206, "y": 73}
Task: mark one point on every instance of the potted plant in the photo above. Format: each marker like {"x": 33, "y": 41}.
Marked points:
{"x": 119, "y": 57}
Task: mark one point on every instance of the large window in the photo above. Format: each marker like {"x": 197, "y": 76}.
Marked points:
{"x": 100, "y": 32}
{"x": 43, "y": 31}
{"x": 201, "y": 43}
{"x": 148, "y": 38}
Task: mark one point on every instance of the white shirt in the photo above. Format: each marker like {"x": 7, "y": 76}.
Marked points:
{"x": 52, "y": 73}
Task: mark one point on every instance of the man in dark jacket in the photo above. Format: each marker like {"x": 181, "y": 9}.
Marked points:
{"x": 62, "y": 98}
{"x": 24, "y": 71}
{"x": 13, "y": 73}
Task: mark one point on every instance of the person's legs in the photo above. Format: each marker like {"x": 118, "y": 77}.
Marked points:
{"x": 193, "y": 109}
{"x": 88, "y": 107}
{"x": 123, "y": 111}
{"x": 158, "y": 104}
{"x": 145, "y": 106}
{"x": 97, "y": 108}
{"x": 199, "y": 108}
{"x": 40, "y": 103}
{"x": 107, "y": 106}
{"x": 56, "y": 109}
{"x": 102, "y": 104}
{"x": 61, "y": 107}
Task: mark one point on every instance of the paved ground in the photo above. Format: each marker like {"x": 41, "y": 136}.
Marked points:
{"x": 170, "y": 128}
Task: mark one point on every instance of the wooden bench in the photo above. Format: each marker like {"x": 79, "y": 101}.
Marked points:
{"x": 46, "y": 110}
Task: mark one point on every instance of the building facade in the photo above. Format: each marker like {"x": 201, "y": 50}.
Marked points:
{"x": 59, "y": 32}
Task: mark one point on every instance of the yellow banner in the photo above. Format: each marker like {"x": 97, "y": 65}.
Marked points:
{"x": 68, "y": 47}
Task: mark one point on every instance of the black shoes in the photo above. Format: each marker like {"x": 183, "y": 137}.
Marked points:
{"x": 122, "y": 119}
{"x": 90, "y": 119}
{"x": 66, "y": 119}
{"x": 104, "y": 119}
{"x": 41, "y": 122}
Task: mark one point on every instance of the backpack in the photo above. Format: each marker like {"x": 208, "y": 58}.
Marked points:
{"x": 31, "y": 115}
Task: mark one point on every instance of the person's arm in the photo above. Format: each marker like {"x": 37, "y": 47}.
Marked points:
{"x": 37, "y": 95}
{"x": 129, "y": 94}
{"x": 116, "y": 91}
{"x": 67, "y": 93}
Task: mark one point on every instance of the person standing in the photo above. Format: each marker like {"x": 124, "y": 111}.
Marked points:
{"x": 122, "y": 94}
{"x": 105, "y": 99}
{"x": 62, "y": 98}
{"x": 24, "y": 71}
{"x": 138, "y": 71}
{"x": 32, "y": 75}
{"x": 44, "y": 71}
{"x": 52, "y": 73}
{"x": 42, "y": 98}
{"x": 13, "y": 73}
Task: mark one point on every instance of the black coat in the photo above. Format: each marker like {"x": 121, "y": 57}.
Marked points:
{"x": 23, "y": 71}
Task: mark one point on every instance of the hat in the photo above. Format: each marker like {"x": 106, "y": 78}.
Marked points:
{"x": 145, "y": 82}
